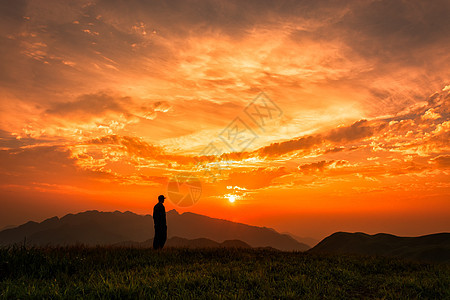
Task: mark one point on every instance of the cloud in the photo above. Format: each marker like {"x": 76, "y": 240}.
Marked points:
{"x": 39, "y": 165}
{"x": 362, "y": 53}
{"x": 402, "y": 133}
{"x": 90, "y": 105}
{"x": 100, "y": 104}
{"x": 442, "y": 161}
{"x": 11, "y": 140}
{"x": 321, "y": 166}
{"x": 334, "y": 150}
{"x": 356, "y": 131}
{"x": 303, "y": 143}
{"x": 50, "y": 159}
{"x": 133, "y": 145}
{"x": 48, "y": 171}
{"x": 196, "y": 64}
{"x": 424, "y": 128}
{"x": 254, "y": 179}
{"x": 396, "y": 31}
{"x": 340, "y": 136}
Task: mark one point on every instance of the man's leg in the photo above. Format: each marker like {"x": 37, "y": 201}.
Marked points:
{"x": 163, "y": 237}
{"x": 156, "y": 240}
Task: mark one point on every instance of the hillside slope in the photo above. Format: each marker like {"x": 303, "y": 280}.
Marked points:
{"x": 433, "y": 247}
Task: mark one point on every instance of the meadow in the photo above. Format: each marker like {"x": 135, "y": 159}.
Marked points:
{"x": 117, "y": 273}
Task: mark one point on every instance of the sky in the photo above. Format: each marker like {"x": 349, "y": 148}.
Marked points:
{"x": 309, "y": 117}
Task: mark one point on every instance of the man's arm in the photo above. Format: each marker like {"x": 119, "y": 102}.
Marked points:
{"x": 163, "y": 216}
{"x": 156, "y": 215}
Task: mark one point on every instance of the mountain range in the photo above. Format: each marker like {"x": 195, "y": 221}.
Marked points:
{"x": 197, "y": 231}
{"x": 112, "y": 228}
{"x": 432, "y": 247}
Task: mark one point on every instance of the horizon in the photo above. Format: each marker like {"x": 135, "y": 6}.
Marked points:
{"x": 308, "y": 118}
{"x": 294, "y": 236}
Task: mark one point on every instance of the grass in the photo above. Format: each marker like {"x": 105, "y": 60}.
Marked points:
{"x": 116, "y": 273}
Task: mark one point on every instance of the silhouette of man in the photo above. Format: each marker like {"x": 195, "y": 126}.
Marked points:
{"x": 159, "y": 218}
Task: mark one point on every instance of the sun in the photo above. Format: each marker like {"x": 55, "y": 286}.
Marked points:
{"x": 231, "y": 198}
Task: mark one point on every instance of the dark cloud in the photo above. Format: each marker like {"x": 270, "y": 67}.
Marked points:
{"x": 320, "y": 166}
{"x": 90, "y": 105}
{"x": 442, "y": 161}
{"x": 137, "y": 147}
{"x": 317, "y": 166}
{"x": 401, "y": 46}
{"x": 133, "y": 145}
{"x": 396, "y": 30}
{"x": 62, "y": 45}
{"x": 49, "y": 44}
{"x": 12, "y": 15}
{"x": 102, "y": 104}
{"x": 46, "y": 159}
{"x": 334, "y": 150}
{"x": 303, "y": 143}
{"x": 178, "y": 18}
{"x": 9, "y": 140}
{"x": 356, "y": 131}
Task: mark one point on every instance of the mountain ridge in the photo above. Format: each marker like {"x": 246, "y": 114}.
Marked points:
{"x": 94, "y": 227}
{"x": 432, "y": 247}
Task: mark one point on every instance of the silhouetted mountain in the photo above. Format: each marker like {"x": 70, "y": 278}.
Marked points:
{"x": 109, "y": 228}
{"x": 433, "y": 247}
{"x": 90, "y": 228}
{"x": 193, "y": 226}
{"x": 8, "y": 227}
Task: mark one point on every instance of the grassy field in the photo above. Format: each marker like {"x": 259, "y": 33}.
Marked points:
{"x": 81, "y": 272}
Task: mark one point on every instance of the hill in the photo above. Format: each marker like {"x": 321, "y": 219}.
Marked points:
{"x": 433, "y": 247}
{"x": 109, "y": 228}
{"x": 178, "y": 242}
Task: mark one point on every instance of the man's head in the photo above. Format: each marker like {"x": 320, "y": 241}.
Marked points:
{"x": 161, "y": 198}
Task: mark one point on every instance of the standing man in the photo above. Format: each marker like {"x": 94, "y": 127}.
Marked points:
{"x": 159, "y": 218}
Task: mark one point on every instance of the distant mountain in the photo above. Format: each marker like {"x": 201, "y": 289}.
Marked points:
{"x": 191, "y": 226}
{"x": 8, "y": 227}
{"x": 305, "y": 240}
{"x": 109, "y": 228}
{"x": 186, "y": 243}
{"x": 433, "y": 247}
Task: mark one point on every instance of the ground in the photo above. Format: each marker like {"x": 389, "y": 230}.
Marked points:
{"x": 105, "y": 272}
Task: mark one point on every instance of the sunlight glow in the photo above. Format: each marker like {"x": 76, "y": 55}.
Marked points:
{"x": 231, "y": 198}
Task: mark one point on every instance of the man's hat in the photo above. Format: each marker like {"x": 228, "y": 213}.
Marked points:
{"x": 161, "y": 197}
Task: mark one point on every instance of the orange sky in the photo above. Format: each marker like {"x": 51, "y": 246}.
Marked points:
{"x": 104, "y": 102}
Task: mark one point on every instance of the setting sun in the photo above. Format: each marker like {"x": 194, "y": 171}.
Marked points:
{"x": 231, "y": 198}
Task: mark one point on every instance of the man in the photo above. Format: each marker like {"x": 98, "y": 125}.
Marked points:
{"x": 159, "y": 218}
